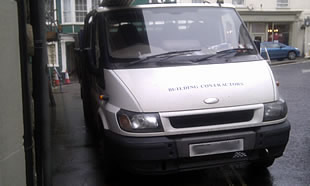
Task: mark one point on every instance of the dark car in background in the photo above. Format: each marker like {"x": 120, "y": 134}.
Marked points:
{"x": 279, "y": 51}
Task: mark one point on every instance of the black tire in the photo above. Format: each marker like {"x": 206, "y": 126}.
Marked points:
{"x": 87, "y": 111}
{"x": 111, "y": 169}
{"x": 291, "y": 55}
{"x": 263, "y": 162}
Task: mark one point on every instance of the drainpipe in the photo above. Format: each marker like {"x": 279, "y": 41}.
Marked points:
{"x": 306, "y": 44}
{"x": 40, "y": 94}
{"x": 307, "y": 24}
{"x": 28, "y": 146}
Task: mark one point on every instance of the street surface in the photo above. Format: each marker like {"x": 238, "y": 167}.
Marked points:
{"x": 76, "y": 161}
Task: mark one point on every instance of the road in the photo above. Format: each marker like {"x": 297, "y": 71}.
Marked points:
{"x": 76, "y": 161}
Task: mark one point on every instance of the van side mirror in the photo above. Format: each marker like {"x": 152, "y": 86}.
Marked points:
{"x": 257, "y": 44}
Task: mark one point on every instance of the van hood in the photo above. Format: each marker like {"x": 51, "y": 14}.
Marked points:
{"x": 200, "y": 86}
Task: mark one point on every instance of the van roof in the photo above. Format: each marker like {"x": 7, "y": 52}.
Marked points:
{"x": 106, "y": 9}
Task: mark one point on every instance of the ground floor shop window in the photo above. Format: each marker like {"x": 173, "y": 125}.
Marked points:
{"x": 279, "y": 32}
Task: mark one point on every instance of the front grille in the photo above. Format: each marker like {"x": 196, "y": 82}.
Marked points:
{"x": 211, "y": 119}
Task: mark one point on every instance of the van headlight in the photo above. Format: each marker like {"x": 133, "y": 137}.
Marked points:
{"x": 139, "y": 122}
{"x": 275, "y": 110}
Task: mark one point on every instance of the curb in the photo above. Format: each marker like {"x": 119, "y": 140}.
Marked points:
{"x": 289, "y": 62}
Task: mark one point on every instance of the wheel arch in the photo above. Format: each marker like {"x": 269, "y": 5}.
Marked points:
{"x": 103, "y": 119}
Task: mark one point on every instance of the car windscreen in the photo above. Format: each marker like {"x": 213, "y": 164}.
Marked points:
{"x": 139, "y": 33}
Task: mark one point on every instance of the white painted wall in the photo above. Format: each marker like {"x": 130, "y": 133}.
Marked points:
{"x": 12, "y": 157}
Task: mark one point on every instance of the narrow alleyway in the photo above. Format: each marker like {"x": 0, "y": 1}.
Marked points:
{"x": 75, "y": 161}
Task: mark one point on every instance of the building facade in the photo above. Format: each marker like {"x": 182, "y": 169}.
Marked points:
{"x": 68, "y": 19}
{"x": 282, "y": 21}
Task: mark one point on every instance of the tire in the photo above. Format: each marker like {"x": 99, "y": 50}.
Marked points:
{"x": 263, "y": 162}
{"x": 291, "y": 55}
{"x": 87, "y": 113}
{"x": 87, "y": 108}
{"x": 110, "y": 167}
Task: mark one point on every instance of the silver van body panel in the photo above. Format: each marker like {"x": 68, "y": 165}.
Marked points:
{"x": 185, "y": 88}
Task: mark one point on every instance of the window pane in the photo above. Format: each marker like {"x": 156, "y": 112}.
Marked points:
{"x": 282, "y": 3}
{"x": 80, "y": 10}
{"x": 238, "y": 2}
{"x": 281, "y": 33}
{"x": 96, "y": 3}
{"x": 136, "y": 33}
{"x": 67, "y": 11}
{"x": 197, "y": 1}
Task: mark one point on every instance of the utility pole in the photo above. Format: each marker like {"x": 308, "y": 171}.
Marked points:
{"x": 40, "y": 94}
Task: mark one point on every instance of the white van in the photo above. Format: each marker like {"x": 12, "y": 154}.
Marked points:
{"x": 179, "y": 87}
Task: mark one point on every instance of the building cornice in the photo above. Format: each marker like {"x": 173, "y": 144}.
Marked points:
{"x": 245, "y": 11}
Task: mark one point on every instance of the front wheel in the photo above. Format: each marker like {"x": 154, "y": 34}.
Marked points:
{"x": 87, "y": 113}
{"x": 291, "y": 55}
{"x": 110, "y": 167}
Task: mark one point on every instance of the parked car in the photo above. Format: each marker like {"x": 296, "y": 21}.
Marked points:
{"x": 279, "y": 51}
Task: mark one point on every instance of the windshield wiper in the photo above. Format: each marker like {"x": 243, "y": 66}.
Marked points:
{"x": 223, "y": 52}
{"x": 166, "y": 54}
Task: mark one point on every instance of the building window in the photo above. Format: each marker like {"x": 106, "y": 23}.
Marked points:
{"x": 80, "y": 10}
{"x": 282, "y": 3}
{"x": 162, "y": 1}
{"x": 67, "y": 11}
{"x": 95, "y": 4}
{"x": 279, "y": 32}
{"x": 238, "y": 2}
{"x": 74, "y": 11}
{"x": 197, "y": 1}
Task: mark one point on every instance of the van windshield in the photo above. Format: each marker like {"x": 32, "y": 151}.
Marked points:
{"x": 141, "y": 33}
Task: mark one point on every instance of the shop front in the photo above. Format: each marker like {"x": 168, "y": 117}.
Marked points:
{"x": 272, "y": 31}
{"x": 278, "y": 26}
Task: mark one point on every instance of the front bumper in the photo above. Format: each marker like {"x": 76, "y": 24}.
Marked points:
{"x": 157, "y": 155}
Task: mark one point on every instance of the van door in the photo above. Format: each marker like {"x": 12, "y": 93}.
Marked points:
{"x": 97, "y": 81}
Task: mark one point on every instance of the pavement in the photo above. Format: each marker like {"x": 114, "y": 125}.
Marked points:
{"x": 75, "y": 159}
